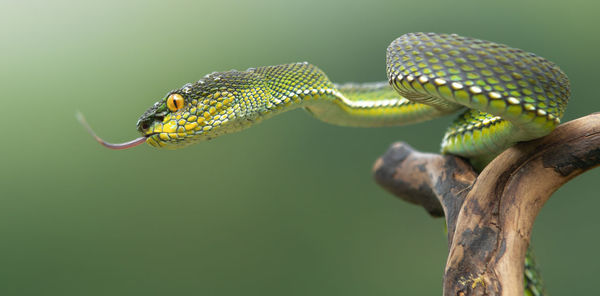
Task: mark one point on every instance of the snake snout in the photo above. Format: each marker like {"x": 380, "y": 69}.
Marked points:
{"x": 145, "y": 124}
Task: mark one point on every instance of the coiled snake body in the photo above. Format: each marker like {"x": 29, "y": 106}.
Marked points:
{"x": 506, "y": 95}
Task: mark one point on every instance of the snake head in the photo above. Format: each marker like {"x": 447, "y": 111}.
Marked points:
{"x": 195, "y": 112}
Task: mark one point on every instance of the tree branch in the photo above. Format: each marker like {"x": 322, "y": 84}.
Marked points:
{"x": 490, "y": 215}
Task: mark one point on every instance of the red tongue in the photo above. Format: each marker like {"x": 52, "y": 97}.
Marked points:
{"x": 118, "y": 146}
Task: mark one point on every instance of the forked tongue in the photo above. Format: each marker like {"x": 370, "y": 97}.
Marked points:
{"x": 117, "y": 146}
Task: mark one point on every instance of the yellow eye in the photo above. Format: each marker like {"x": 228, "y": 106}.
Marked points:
{"x": 175, "y": 102}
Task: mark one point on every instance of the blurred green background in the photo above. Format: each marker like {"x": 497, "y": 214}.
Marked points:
{"x": 285, "y": 208}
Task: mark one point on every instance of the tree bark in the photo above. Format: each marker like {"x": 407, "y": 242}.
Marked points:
{"x": 490, "y": 215}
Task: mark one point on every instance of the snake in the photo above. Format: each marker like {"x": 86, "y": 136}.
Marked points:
{"x": 503, "y": 95}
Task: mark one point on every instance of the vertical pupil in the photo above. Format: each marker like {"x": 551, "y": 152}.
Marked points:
{"x": 175, "y": 102}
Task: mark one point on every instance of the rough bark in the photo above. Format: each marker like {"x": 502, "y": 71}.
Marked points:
{"x": 490, "y": 215}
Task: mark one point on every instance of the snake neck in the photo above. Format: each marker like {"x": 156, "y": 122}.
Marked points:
{"x": 287, "y": 87}
{"x": 476, "y": 135}
{"x": 303, "y": 85}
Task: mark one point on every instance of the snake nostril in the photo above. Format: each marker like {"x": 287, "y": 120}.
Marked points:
{"x": 145, "y": 125}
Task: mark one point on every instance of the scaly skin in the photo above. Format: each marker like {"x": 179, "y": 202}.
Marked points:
{"x": 507, "y": 95}
{"x": 227, "y": 102}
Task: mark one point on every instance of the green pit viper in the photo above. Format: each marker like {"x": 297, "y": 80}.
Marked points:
{"x": 506, "y": 95}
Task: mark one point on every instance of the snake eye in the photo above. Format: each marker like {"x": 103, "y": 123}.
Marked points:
{"x": 175, "y": 102}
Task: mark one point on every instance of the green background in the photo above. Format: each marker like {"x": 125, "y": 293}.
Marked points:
{"x": 285, "y": 208}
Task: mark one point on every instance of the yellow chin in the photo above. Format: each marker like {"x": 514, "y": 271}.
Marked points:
{"x": 172, "y": 140}
{"x": 155, "y": 141}
{"x": 170, "y": 134}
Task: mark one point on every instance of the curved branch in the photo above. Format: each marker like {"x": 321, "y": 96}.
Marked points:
{"x": 490, "y": 216}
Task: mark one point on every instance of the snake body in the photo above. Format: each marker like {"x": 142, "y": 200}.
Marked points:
{"x": 505, "y": 95}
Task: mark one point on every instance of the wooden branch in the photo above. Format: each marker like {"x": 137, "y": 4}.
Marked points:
{"x": 490, "y": 216}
